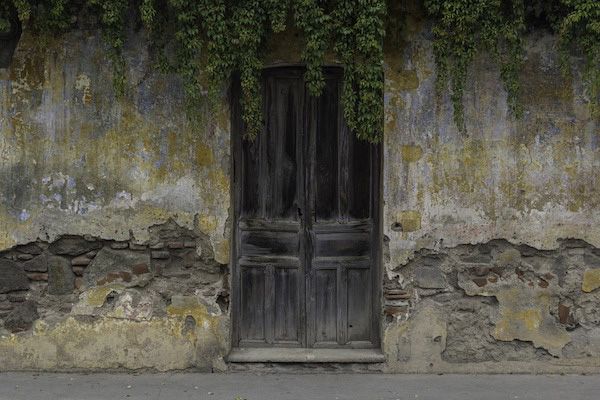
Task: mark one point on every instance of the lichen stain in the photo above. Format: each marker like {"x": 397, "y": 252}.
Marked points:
{"x": 411, "y": 153}
{"x": 204, "y": 155}
{"x": 410, "y": 220}
{"x": 96, "y": 297}
{"x": 222, "y": 251}
{"x": 105, "y": 343}
{"x": 525, "y": 315}
{"x": 591, "y": 280}
{"x": 191, "y": 307}
{"x": 207, "y": 223}
{"x": 463, "y": 171}
{"x": 104, "y": 147}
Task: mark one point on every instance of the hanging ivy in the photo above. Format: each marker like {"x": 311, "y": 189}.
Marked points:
{"x": 580, "y": 29}
{"x": 463, "y": 28}
{"x": 216, "y": 38}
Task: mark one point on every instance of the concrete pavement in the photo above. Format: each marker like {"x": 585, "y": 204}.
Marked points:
{"x": 238, "y": 386}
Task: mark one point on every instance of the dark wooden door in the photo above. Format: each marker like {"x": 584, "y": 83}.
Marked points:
{"x": 306, "y": 238}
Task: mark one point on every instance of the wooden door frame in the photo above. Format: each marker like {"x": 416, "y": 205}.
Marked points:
{"x": 236, "y": 198}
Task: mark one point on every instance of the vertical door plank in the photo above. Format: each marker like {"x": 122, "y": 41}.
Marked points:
{"x": 342, "y": 307}
{"x": 284, "y": 101}
{"x": 269, "y": 301}
{"x": 250, "y": 182}
{"x": 326, "y": 305}
{"x": 326, "y": 160}
{"x": 253, "y": 304}
{"x": 286, "y": 305}
{"x": 359, "y": 181}
{"x": 359, "y": 310}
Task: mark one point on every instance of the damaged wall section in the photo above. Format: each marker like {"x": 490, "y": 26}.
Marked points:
{"x": 496, "y": 302}
{"x": 97, "y": 303}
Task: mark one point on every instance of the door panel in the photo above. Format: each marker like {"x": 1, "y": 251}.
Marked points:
{"x": 359, "y": 311}
{"x": 306, "y": 229}
{"x": 326, "y": 305}
{"x": 253, "y": 306}
{"x": 287, "y": 311}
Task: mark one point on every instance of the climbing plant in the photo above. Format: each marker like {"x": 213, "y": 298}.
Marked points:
{"x": 580, "y": 29}
{"x": 464, "y": 28}
{"x": 206, "y": 41}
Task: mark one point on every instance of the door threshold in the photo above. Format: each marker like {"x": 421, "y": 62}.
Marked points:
{"x": 301, "y": 355}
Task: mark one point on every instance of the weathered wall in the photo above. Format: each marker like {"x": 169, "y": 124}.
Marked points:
{"x": 114, "y": 216}
{"x": 131, "y": 187}
{"x": 483, "y": 272}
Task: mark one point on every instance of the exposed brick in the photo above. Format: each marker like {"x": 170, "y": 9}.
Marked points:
{"x": 80, "y": 261}
{"x": 189, "y": 244}
{"x": 160, "y": 255}
{"x": 140, "y": 269}
{"x": 564, "y": 313}
{"x": 480, "y": 281}
{"x": 397, "y": 294}
{"x": 16, "y": 297}
{"x": 136, "y": 246}
{"x": 38, "y": 276}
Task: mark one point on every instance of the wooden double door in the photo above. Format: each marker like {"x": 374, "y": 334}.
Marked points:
{"x": 306, "y": 222}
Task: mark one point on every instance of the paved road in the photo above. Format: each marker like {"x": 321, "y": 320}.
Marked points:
{"x": 237, "y": 386}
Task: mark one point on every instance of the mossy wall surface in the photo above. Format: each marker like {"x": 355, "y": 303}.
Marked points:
{"x": 498, "y": 228}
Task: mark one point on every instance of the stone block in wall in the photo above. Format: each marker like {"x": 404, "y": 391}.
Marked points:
{"x": 12, "y": 277}
{"x": 21, "y": 318}
{"x": 38, "y": 264}
{"x": 73, "y": 246}
{"x": 109, "y": 261}
{"x": 429, "y": 278}
{"x": 61, "y": 279}
{"x": 30, "y": 248}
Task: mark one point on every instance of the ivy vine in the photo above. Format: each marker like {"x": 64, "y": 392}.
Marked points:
{"x": 217, "y": 38}
{"x": 464, "y": 28}
{"x": 580, "y": 29}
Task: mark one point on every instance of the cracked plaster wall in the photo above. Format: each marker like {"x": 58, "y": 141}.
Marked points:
{"x": 458, "y": 208}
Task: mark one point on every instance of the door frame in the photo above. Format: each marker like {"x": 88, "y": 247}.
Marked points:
{"x": 235, "y": 201}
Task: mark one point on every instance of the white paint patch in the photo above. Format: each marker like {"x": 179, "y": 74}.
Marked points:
{"x": 24, "y": 215}
{"x": 124, "y": 199}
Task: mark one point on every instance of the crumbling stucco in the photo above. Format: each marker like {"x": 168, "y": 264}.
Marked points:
{"x": 491, "y": 237}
